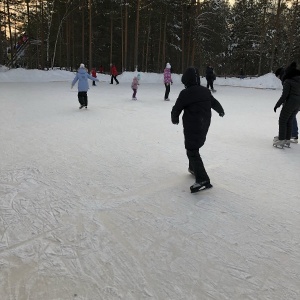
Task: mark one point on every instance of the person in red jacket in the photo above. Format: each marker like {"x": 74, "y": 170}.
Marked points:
{"x": 113, "y": 73}
{"x": 101, "y": 69}
{"x": 94, "y": 74}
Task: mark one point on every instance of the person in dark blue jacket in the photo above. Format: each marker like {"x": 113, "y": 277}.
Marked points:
{"x": 196, "y": 103}
{"x": 82, "y": 77}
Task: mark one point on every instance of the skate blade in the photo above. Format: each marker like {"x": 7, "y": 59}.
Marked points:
{"x": 201, "y": 188}
{"x": 278, "y": 146}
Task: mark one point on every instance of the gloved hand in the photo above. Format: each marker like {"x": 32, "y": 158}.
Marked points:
{"x": 275, "y": 107}
{"x": 71, "y": 85}
{"x": 222, "y": 114}
{"x": 175, "y": 121}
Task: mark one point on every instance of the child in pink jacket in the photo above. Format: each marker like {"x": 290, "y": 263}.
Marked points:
{"x": 134, "y": 86}
{"x": 167, "y": 81}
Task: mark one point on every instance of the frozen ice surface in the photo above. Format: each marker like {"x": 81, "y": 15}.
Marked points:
{"x": 95, "y": 204}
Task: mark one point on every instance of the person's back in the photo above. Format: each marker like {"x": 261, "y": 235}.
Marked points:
{"x": 209, "y": 72}
{"x": 196, "y": 102}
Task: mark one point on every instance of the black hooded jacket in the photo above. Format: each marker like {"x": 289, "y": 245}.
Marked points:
{"x": 291, "y": 88}
{"x": 196, "y": 101}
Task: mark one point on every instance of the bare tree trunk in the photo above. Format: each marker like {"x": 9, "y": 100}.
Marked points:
{"x": 68, "y": 43}
{"x": 90, "y": 36}
{"x": 28, "y": 31}
{"x": 159, "y": 45}
{"x": 147, "y": 46}
{"x": 122, "y": 41}
{"x": 292, "y": 32}
{"x": 111, "y": 37}
{"x": 10, "y": 34}
{"x": 262, "y": 37}
{"x": 275, "y": 38}
{"x": 126, "y": 36}
{"x": 136, "y": 44}
{"x": 164, "y": 42}
{"x": 82, "y": 33}
{"x": 42, "y": 37}
{"x": 182, "y": 40}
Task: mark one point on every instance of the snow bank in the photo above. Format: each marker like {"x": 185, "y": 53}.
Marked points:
{"x": 268, "y": 81}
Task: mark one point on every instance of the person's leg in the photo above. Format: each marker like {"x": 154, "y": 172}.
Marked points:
{"x": 116, "y": 80}
{"x": 111, "y": 79}
{"x": 80, "y": 98}
{"x": 283, "y": 123}
{"x": 286, "y": 116}
{"x": 289, "y": 128}
{"x": 167, "y": 85}
{"x": 197, "y": 166}
{"x": 94, "y": 83}
{"x": 85, "y": 103}
{"x": 295, "y": 127}
{"x": 134, "y": 93}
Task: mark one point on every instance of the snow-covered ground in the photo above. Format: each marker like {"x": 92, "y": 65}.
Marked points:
{"x": 95, "y": 204}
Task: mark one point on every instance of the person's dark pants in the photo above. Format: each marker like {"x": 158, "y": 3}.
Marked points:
{"x": 286, "y": 117}
{"x": 134, "y": 93}
{"x": 295, "y": 127}
{"x": 210, "y": 84}
{"x": 168, "y": 88}
{"x": 113, "y": 77}
{"x": 94, "y": 83}
{"x": 196, "y": 165}
{"x": 82, "y": 98}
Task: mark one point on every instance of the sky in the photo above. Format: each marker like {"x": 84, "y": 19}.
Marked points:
{"x": 95, "y": 204}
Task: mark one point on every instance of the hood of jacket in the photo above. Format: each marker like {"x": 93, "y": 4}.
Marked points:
{"x": 81, "y": 70}
{"x": 190, "y": 77}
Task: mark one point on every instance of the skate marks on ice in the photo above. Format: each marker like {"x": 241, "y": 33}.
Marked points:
{"x": 255, "y": 252}
{"x": 52, "y": 247}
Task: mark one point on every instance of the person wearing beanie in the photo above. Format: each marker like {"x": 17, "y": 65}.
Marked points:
{"x": 167, "y": 81}
{"x": 196, "y": 102}
{"x": 290, "y": 101}
{"x": 82, "y": 77}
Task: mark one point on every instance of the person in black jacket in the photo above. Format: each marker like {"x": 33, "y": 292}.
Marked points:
{"x": 196, "y": 103}
{"x": 280, "y": 73}
{"x": 290, "y": 101}
{"x": 210, "y": 77}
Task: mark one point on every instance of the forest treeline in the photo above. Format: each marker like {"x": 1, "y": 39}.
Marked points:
{"x": 143, "y": 35}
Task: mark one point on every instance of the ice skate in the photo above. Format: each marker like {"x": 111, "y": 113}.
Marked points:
{"x": 81, "y": 106}
{"x": 167, "y": 99}
{"x": 287, "y": 143}
{"x": 278, "y": 143}
{"x": 196, "y": 187}
{"x": 134, "y": 98}
{"x": 213, "y": 90}
{"x": 294, "y": 140}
